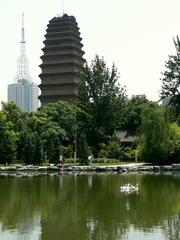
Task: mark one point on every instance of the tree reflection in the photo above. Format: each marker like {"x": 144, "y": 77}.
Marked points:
{"x": 91, "y": 207}
{"x": 172, "y": 227}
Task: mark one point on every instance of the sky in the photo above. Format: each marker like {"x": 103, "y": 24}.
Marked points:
{"x": 136, "y": 35}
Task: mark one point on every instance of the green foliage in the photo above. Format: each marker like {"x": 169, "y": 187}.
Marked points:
{"x": 103, "y": 153}
{"x": 30, "y": 138}
{"x": 29, "y": 148}
{"x": 174, "y": 143}
{"x": 71, "y": 119}
{"x": 103, "y": 100}
{"x": 14, "y": 115}
{"x": 171, "y": 79}
{"x": 67, "y": 151}
{"x": 133, "y": 111}
{"x": 8, "y": 141}
{"x": 128, "y": 153}
{"x": 112, "y": 150}
{"x": 89, "y": 123}
{"x": 64, "y": 114}
{"x": 105, "y": 161}
{"x": 83, "y": 150}
{"x": 154, "y": 133}
{"x": 11, "y": 119}
{"x": 43, "y": 138}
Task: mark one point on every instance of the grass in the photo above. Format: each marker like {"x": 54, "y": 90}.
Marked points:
{"x": 95, "y": 162}
{"x": 110, "y": 164}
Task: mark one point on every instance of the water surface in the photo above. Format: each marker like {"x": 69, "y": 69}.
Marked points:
{"x": 91, "y": 207}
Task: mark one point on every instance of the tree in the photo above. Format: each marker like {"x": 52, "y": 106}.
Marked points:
{"x": 14, "y": 115}
{"x": 82, "y": 148}
{"x": 114, "y": 149}
{"x": 8, "y": 142}
{"x": 171, "y": 79}
{"x": 174, "y": 142}
{"x": 103, "y": 100}
{"x": 154, "y": 134}
{"x": 65, "y": 114}
{"x": 72, "y": 120}
{"x": 134, "y": 110}
{"x": 40, "y": 137}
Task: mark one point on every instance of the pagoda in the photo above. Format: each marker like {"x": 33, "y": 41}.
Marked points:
{"x": 62, "y": 60}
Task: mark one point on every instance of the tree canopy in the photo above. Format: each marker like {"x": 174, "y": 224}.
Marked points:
{"x": 159, "y": 140}
{"x": 88, "y": 125}
{"x": 103, "y": 100}
{"x": 171, "y": 79}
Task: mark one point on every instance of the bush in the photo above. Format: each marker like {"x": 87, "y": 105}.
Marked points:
{"x": 104, "y": 161}
{"x": 103, "y": 153}
{"x": 174, "y": 143}
{"x": 67, "y": 151}
{"x": 112, "y": 150}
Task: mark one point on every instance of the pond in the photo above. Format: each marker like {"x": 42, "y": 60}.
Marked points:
{"x": 71, "y": 207}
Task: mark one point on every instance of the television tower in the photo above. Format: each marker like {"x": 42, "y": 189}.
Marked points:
{"x": 22, "y": 62}
{"x": 24, "y": 92}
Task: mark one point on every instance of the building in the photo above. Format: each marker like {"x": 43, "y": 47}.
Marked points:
{"x": 126, "y": 137}
{"x": 62, "y": 60}
{"x": 24, "y": 92}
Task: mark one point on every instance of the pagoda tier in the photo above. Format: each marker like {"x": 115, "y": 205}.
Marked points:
{"x": 62, "y": 60}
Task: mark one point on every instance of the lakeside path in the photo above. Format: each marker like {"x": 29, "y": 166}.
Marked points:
{"x": 127, "y": 167}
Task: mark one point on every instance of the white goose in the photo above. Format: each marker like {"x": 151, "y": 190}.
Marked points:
{"x": 128, "y": 188}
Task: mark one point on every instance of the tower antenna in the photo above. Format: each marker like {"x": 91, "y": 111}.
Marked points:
{"x": 22, "y": 63}
{"x": 22, "y": 29}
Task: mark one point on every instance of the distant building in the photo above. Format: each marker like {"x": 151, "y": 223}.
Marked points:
{"x": 126, "y": 137}
{"x": 61, "y": 61}
{"x": 24, "y": 92}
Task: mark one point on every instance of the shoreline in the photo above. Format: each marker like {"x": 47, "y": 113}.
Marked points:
{"x": 127, "y": 168}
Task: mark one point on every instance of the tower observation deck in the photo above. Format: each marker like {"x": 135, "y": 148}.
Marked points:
{"x": 62, "y": 60}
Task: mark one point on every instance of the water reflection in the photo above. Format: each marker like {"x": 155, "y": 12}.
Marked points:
{"x": 27, "y": 230}
{"x": 89, "y": 207}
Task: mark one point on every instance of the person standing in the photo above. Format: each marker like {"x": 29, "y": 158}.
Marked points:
{"x": 89, "y": 160}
